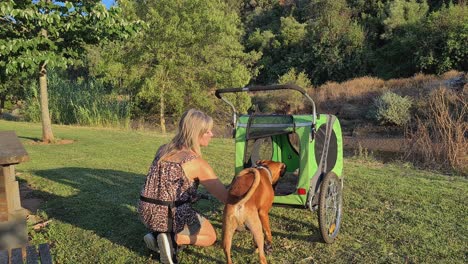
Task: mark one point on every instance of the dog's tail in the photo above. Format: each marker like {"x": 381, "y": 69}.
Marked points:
{"x": 244, "y": 185}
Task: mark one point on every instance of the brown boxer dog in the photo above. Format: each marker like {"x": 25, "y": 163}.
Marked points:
{"x": 250, "y": 198}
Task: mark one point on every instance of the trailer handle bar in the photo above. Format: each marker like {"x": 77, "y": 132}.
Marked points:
{"x": 257, "y": 88}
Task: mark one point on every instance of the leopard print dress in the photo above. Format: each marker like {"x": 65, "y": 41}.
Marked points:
{"x": 166, "y": 181}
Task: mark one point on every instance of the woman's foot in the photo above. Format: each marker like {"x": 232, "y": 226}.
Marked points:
{"x": 166, "y": 249}
{"x": 150, "y": 242}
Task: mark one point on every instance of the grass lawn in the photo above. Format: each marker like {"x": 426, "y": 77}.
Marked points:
{"x": 393, "y": 213}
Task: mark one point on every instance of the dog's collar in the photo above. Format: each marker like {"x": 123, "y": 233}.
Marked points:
{"x": 270, "y": 176}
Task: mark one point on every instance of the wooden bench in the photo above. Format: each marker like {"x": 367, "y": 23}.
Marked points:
{"x": 41, "y": 255}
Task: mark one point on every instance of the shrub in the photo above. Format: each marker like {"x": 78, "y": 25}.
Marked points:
{"x": 391, "y": 109}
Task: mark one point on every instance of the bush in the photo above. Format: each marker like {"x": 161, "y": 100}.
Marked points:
{"x": 391, "y": 109}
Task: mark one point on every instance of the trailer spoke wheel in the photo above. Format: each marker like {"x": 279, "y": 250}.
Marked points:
{"x": 330, "y": 207}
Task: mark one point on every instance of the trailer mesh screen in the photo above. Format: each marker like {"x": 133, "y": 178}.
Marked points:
{"x": 260, "y": 126}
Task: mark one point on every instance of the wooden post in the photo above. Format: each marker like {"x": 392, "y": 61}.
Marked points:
{"x": 13, "y": 231}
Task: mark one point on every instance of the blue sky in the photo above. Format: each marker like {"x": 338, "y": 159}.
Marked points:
{"x": 108, "y": 3}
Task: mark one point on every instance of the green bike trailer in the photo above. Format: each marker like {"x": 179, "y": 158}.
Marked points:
{"x": 311, "y": 146}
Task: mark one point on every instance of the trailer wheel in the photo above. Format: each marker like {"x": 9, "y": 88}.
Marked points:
{"x": 330, "y": 207}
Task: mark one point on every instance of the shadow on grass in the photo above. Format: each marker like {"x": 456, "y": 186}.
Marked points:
{"x": 197, "y": 255}
{"x": 295, "y": 227}
{"x": 102, "y": 201}
{"x": 31, "y": 138}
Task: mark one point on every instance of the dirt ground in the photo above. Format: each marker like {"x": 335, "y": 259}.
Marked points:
{"x": 28, "y": 201}
{"x": 375, "y": 144}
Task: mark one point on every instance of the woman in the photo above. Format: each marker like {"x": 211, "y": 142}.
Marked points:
{"x": 171, "y": 185}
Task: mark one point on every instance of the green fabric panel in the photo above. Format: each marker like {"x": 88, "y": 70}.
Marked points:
{"x": 240, "y": 149}
{"x": 276, "y": 148}
{"x": 288, "y": 155}
{"x": 243, "y": 119}
{"x": 305, "y": 165}
{"x": 338, "y": 169}
{"x": 292, "y": 199}
{"x": 312, "y": 164}
{"x": 282, "y": 149}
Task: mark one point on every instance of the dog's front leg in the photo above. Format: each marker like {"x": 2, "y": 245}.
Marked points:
{"x": 265, "y": 219}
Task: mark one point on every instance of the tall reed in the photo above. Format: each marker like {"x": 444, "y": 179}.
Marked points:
{"x": 86, "y": 103}
{"x": 438, "y": 139}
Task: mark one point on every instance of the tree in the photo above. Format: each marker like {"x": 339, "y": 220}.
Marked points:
{"x": 335, "y": 42}
{"x": 188, "y": 49}
{"x": 35, "y": 35}
{"x": 274, "y": 30}
{"x": 402, "y": 13}
{"x": 442, "y": 39}
{"x": 420, "y": 42}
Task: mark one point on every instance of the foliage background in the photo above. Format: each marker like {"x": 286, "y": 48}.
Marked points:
{"x": 191, "y": 48}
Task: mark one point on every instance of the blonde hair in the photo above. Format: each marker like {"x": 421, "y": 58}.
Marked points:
{"x": 192, "y": 125}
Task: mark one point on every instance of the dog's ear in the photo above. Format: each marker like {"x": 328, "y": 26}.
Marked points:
{"x": 261, "y": 162}
{"x": 283, "y": 169}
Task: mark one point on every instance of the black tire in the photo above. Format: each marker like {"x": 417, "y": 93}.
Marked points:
{"x": 330, "y": 207}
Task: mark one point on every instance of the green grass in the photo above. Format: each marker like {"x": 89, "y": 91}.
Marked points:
{"x": 392, "y": 212}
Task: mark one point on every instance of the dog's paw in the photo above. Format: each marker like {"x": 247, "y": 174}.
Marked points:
{"x": 268, "y": 248}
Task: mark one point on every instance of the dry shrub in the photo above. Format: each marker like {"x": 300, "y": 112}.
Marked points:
{"x": 438, "y": 139}
{"x": 450, "y": 74}
{"x": 352, "y": 89}
{"x": 331, "y": 95}
{"x": 416, "y": 86}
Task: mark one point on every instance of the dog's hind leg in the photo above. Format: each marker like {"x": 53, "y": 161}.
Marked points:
{"x": 255, "y": 226}
{"x": 229, "y": 227}
{"x": 265, "y": 219}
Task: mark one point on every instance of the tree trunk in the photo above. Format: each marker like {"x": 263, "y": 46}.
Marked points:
{"x": 162, "y": 118}
{"x": 2, "y": 103}
{"x": 47, "y": 135}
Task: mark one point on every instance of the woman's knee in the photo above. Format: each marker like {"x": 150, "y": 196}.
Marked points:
{"x": 212, "y": 239}
{"x": 208, "y": 233}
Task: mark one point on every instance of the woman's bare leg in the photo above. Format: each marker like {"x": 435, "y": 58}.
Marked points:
{"x": 206, "y": 236}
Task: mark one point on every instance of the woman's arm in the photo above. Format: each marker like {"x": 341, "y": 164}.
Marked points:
{"x": 201, "y": 170}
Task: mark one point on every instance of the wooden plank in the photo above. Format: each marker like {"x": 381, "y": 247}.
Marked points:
{"x": 31, "y": 255}
{"x": 3, "y": 216}
{"x": 4, "y": 257}
{"x": 44, "y": 253}
{"x": 17, "y": 256}
{"x": 11, "y": 149}
{"x": 8, "y": 172}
